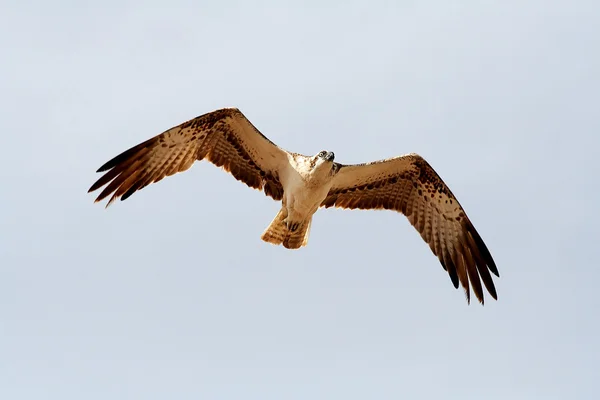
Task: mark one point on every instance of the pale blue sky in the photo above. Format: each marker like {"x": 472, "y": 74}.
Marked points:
{"x": 172, "y": 294}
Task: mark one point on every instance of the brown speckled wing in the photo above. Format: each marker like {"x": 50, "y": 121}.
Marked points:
{"x": 408, "y": 184}
{"x": 224, "y": 137}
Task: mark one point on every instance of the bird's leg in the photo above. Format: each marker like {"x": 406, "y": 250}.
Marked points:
{"x": 284, "y": 214}
{"x": 284, "y": 210}
{"x": 293, "y": 221}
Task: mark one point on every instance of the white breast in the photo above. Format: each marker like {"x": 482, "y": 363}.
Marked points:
{"x": 304, "y": 192}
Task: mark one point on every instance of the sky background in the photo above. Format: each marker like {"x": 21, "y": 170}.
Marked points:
{"x": 172, "y": 294}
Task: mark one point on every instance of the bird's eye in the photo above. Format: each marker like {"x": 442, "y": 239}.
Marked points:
{"x": 322, "y": 154}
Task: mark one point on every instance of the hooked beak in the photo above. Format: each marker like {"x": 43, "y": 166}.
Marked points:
{"x": 330, "y": 156}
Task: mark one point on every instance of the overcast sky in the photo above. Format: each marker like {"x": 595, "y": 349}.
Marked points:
{"x": 172, "y": 294}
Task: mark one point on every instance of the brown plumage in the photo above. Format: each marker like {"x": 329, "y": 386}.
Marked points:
{"x": 278, "y": 233}
{"x": 408, "y": 184}
{"x": 210, "y": 136}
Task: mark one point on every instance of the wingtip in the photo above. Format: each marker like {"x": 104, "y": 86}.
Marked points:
{"x": 106, "y": 166}
{"x": 101, "y": 198}
{"x": 98, "y": 200}
{"x": 109, "y": 203}
{"x": 480, "y": 299}
{"x": 494, "y": 296}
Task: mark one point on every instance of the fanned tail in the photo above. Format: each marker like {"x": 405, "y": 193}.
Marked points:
{"x": 278, "y": 233}
{"x": 299, "y": 238}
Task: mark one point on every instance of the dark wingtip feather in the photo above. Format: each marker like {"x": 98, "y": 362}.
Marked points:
{"x": 116, "y": 166}
{"x": 126, "y": 155}
{"x": 129, "y": 192}
{"x": 449, "y": 266}
{"x": 483, "y": 248}
{"x": 111, "y": 163}
{"x": 98, "y": 184}
{"x": 104, "y": 179}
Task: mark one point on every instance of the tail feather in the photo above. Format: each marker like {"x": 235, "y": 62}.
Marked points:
{"x": 278, "y": 233}
{"x": 299, "y": 238}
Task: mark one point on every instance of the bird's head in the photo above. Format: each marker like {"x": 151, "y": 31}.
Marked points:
{"x": 324, "y": 156}
{"x": 324, "y": 162}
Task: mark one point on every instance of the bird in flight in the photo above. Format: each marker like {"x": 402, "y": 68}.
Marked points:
{"x": 406, "y": 184}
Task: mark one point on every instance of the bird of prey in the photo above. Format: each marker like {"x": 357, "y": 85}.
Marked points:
{"x": 303, "y": 184}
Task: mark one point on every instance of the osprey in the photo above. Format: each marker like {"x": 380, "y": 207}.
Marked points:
{"x": 303, "y": 184}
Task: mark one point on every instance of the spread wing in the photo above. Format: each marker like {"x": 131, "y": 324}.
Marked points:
{"x": 408, "y": 184}
{"x": 224, "y": 137}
